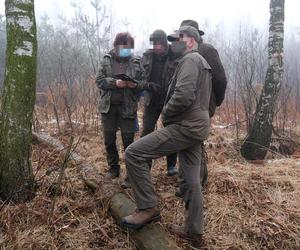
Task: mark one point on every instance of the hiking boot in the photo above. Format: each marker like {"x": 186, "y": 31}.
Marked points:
{"x": 195, "y": 239}
{"x": 179, "y": 193}
{"x": 126, "y": 184}
{"x": 172, "y": 170}
{"x": 141, "y": 218}
{"x": 114, "y": 171}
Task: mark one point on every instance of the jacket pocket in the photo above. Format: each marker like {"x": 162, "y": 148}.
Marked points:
{"x": 104, "y": 103}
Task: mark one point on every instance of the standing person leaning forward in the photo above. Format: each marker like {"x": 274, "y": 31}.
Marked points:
{"x": 186, "y": 119}
{"x": 119, "y": 98}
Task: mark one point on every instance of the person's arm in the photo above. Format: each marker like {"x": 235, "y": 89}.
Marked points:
{"x": 141, "y": 82}
{"x": 185, "y": 89}
{"x": 102, "y": 80}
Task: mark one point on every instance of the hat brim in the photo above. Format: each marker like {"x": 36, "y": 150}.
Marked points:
{"x": 201, "y": 33}
{"x": 173, "y": 37}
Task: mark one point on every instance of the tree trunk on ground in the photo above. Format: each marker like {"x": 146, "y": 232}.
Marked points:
{"x": 85, "y": 169}
{"x": 16, "y": 177}
{"x": 150, "y": 237}
{"x": 258, "y": 140}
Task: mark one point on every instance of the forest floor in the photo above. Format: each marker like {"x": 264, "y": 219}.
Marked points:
{"x": 246, "y": 205}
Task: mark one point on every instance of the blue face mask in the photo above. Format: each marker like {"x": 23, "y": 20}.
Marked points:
{"x": 124, "y": 52}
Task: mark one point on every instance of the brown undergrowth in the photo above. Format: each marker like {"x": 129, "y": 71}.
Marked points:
{"x": 247, "y": 206}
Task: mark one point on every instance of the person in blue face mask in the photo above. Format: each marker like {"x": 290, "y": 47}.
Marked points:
{"x": 119, "y": 98}
{"x": 125, "y": 52}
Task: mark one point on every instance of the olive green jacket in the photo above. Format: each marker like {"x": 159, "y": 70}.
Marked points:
{"x": 187, "y": 102}
{"x": 107, "y": 83}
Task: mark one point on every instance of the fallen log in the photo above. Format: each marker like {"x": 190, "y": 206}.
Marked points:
{"x": 83, "y": 166}
{"x": 150, "y": 237}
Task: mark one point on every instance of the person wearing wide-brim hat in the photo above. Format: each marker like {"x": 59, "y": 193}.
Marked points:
{"x": 219, "y": 83}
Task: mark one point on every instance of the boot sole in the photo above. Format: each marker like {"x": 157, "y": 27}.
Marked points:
{"x": 131, "y": 226}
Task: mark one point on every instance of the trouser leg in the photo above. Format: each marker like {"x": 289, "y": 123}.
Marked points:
{"x": 171, "y": 160}
{"x": 203, "y": 172}
{"x": 112, "y": 154}
{"x": 127, "y": 139}
{"x": 190, "y": 160}
{"x": 204, "y": 166}
{"x": 150, "y": 118}
{"x": 110, "y": 125}
{"x": 162, "y": 142}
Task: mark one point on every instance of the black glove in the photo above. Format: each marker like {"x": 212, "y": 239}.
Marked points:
{"x": 152, "y": 86}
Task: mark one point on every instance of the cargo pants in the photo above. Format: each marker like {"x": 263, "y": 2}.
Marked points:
{"x": 170, "y": 139}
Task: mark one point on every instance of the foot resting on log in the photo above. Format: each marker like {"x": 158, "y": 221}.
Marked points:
{"x": 141, "y": 218}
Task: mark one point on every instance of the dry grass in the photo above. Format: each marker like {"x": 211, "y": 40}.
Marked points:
{"x": 246, "y": 206}
{"x": 80, "y": 219}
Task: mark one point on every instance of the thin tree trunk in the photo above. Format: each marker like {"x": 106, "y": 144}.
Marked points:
{"x": 16, "y": 177}
{"x": 258, "y": 140}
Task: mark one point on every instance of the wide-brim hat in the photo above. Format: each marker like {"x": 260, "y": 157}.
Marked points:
{"x": 193, "y": 24}
{"x": 189, "y": 30}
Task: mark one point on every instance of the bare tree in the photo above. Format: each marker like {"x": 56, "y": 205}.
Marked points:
{"x": 258, "y": 140}
{"x": 16, "y": 177}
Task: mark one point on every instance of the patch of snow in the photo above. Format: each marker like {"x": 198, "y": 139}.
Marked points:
{"x": 219, "y": 126}
{"x": 24, "y": 22}
{"x": 16, "y": 9}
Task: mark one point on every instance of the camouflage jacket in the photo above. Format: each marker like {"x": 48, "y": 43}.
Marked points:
{"x": 107, "y": 83}
{"x": 168, "y": 71}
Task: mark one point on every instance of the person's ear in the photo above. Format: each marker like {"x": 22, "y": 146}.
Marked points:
{"x": 190, "y": 42}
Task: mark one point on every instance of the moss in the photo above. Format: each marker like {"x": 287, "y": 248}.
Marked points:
{"x": 17, "y": 108}
{"x": 259, "y": 138}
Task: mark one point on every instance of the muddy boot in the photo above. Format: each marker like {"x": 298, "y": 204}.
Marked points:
{"x": 126, "y": 184}
{"x": 195, "y": 239}
{"x": 141, "y": 218}
{"x": 114, "y": 171}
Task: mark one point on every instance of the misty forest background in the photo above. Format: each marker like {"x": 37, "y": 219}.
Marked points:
{"x": 247, "y": 204}
{"x": 69, "y": 54}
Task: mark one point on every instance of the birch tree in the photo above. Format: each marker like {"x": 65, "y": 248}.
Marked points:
{"x": 258, "y": 140}
{"x": 16, "y": 177}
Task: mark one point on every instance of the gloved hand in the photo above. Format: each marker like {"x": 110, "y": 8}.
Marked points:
{"x": 154, "y": 87}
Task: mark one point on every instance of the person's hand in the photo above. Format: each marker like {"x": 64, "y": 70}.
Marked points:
{"x": 131, "y": 85}
{"x": 120, "y": 83}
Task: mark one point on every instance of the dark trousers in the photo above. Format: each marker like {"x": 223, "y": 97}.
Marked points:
{"x": 111, "y": 122}
{"x": 150, "y": 118}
